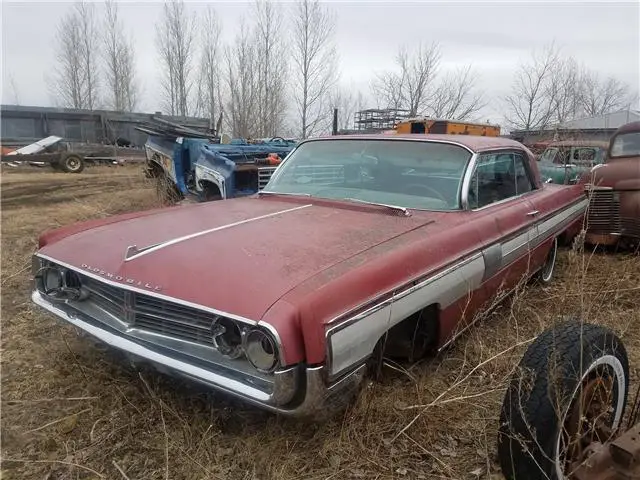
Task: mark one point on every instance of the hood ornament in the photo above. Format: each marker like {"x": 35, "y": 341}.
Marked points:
{"x": 133, "y": 250}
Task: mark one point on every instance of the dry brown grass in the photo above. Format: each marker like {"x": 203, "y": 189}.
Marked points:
{"x": 74, "y": 409}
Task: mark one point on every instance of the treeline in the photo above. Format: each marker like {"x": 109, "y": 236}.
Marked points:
{"x": 280, "y": 73}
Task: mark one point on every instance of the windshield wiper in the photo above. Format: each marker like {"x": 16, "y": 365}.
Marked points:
{"x": 393, "y": 207}
{"x": 284, "y": 193}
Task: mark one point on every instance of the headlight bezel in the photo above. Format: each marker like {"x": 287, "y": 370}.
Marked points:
{"x": 223, "y": 332}
{"x": 237, "y": 341}
{"x": 258, "y": 342}
{"x": 68, "y": 286}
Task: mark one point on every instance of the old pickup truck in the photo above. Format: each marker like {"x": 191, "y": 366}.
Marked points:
{"x": 614, "y": 191}
{"x": 192, "y": 165}
{"x": 358, "y": 248}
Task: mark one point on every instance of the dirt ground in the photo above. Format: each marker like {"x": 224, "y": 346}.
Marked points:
{"x": 73, "y": 409}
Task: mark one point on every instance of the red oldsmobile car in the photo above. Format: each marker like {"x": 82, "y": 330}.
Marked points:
{"x": 359, "y": 246}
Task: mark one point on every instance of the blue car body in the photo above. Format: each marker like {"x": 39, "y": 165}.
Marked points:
{"x": 198, "y": 168}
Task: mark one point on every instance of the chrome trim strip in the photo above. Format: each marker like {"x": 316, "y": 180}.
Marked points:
{"x": 352, "y": 341}
{"x": 148, "y": 292}
{"x": 392, "y": 138}
{"x": 422, "y": 278}
{"x": 152, "y": 248}
{"x": 589, "y": 187}
{"x": 274, "y": 333}
{"x": 466, "y": 181}
{"x": 549, "y": 226}
{"x": 471, "y": 169}
{"x": 506, "y": 200}
{"x": 438, "y": 276}
{"x": 492, "y": 260}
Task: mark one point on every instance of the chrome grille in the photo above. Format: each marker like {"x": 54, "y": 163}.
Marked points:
{"x": 264, "y": 175}
{"x": 631, "y": 227}
{"x": 604, "y": 212}
{"x": 151, "y": 314}
{"x": 107, "y": 297}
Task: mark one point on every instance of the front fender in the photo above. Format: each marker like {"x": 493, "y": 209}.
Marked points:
{"x": 205, "y": 174}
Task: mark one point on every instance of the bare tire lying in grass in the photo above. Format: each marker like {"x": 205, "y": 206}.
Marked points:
{"x": 569, "y": 390}
{"x": 545, "y": 275}
{"x": 71, "y": 163}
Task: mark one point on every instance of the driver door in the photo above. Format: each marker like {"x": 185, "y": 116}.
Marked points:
{"x": 500, "y": 195}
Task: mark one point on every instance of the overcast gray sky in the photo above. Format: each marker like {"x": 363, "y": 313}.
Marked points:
{"x": 493, "y": 37}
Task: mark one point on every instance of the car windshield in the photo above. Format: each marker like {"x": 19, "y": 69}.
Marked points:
{"x": 409, "y": 174}
{"x": 626, "y": 145}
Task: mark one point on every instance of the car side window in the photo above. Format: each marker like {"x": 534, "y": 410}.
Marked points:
{"x": 549, "y": 155}
{"x": 523, "y": 179}
{"x": 497, "y": 177}
{"x": 562, "y": 158}
{"x": 584, "y": 156}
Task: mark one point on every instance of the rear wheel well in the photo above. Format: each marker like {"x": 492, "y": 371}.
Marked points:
{"x": 412, "y": 338}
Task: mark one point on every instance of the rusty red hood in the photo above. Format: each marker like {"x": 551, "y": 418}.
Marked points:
{"x": 238, "y": 256}
{"x": 620, "y": 174}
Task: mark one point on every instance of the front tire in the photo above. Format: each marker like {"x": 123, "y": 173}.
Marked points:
{"x": 545, "y": 424}
{"x": 71, "y": 163}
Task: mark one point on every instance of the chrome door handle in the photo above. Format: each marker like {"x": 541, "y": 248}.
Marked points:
{"x": 533, "y": 213}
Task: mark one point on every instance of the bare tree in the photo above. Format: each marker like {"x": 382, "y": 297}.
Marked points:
{"x": 348, "y": 102}
{"x": 242, "y": 84}
{"x": 74, "y": 81}
{"x": 564, "y": 90}
{"x": 603, "y": 96}
{"x": 119, "y": 59}
{"x": 529, "y": 105}
{"x": 271, "y": 68}
{"x": 129, "y": 80}
{"x": 68, "y": 81}
{"x": 388, "y": 88}
{"x": 89, "y": 51}
{"x": 315, "y": 64}
{"x": 208, "y": 100}
{"x": 175, "y": 39}
{"x": 14, "y": 89}
{"x": 410, "y": 86}
{"x": 456, "y": 96}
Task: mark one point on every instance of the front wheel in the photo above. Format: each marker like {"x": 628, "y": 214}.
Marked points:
{"x": 569, "y": 390}
{"x": 71, "y": 163}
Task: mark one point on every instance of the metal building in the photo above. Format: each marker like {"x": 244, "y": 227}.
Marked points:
{"x": 21, "y": 125}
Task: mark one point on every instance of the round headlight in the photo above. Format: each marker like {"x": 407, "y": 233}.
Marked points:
{"x": 261, "y": 350}
{"x": 227, "y": 337}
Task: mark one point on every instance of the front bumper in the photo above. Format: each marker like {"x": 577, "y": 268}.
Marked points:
{"x": 299, "y": 391}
